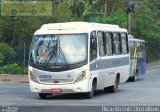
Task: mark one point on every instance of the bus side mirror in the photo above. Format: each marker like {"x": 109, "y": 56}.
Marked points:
{"x": 93, "y": 44}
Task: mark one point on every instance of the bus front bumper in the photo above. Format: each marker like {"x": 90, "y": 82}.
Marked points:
{"x": 78, "y": 87}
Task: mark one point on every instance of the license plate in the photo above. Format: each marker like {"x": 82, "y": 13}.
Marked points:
{"x": 56, "y": 90}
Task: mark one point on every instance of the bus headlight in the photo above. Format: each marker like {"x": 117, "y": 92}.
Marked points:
{"x": 81, "y": 76}
{"x": 33, "y": 77}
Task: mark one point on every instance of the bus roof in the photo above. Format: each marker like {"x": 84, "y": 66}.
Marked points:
{"x": 131, "y": 38}
{"x": 77, "y": 27}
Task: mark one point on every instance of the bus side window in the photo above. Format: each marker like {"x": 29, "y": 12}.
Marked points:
{"x": 117, "y": 43}
{"x": 93, "y": 46}
{"x": 141, "y": 51}
{"x": 109, "y": 43}
{"x": 124, "y": 43}
{"x": 101, "y": 43}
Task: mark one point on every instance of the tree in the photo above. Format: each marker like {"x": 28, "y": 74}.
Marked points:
{"x": 6, "y": 53}
{"x": 146, "y": 23}
{"x": 1, "y": 58}
{"x": 63, "y": 12}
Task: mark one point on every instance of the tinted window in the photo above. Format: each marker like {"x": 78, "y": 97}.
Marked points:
{"x": 117, "y": 46}
{"x": 101, "y": 42}
{"x": 140, "y": 49}
{"x": 93, "y": 46}
{"x": 109, "y": 43}
{"x": 132, "y": 47}
{"x": 124, "y": 43}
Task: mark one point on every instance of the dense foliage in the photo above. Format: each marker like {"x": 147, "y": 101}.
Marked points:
{"x": 6, "y": 53}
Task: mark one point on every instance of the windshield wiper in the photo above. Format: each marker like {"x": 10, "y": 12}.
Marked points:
{"x": 52, "y": 53}
{"x": 55, "y": 53}
{"x": 61, "y": 52}
{"x": 60, "y": 49}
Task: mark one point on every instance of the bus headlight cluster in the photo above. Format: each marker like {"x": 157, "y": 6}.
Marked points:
{"x": 33, "y": 77}
{"x": 81, "y": 76}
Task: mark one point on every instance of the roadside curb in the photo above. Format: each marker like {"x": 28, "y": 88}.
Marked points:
{"x": 5, "y": 78}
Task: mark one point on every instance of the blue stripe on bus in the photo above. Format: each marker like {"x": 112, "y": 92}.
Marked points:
{"x": 109, "y": 63}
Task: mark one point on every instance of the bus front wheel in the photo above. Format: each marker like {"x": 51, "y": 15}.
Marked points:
{"x": 91, "y": 93}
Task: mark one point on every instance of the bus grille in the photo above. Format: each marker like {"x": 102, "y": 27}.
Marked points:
{"x": 56, "y": 81}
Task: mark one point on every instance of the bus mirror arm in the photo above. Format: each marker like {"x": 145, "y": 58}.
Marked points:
{"x": 96, "y": 66}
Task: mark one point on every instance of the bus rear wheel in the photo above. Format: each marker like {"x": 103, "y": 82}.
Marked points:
{"x": 44, "y": 95}
{"x": 135, "y": 76}
{"x": 113, "y": 89}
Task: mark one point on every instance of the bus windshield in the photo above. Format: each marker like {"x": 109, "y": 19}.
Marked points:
{"x": 59, "y": 49}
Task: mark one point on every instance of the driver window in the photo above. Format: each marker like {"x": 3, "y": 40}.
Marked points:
{"x": 93, "y": 46}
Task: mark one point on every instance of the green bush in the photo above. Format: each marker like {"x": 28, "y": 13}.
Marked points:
{"x": 13, "y": 69}
{"x": 6, "y": 52}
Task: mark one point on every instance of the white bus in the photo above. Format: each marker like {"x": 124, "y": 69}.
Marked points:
{"x": 78, "y": 57}
{"x": 137, "y": 57}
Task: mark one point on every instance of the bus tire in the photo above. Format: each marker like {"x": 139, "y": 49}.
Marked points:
{"x": 135, "y": 76}
{"x": 113, "y": 89}
{"x": 91, "y": 93}
{"x": 107, "y": 89}
{"x": 43, "y": 95}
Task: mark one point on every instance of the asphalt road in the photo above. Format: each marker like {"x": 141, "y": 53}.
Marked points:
{"x": 144, "y": 92}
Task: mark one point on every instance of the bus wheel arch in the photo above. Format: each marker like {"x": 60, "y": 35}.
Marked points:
{"x": 113, "y": 88}
{"x": 118, "y": 76}
{"x": 94, "y": 84}
{"x": 90, "y": 94}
